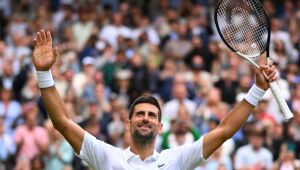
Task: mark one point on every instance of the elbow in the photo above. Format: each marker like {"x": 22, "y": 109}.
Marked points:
{"x": 60, "y": 125}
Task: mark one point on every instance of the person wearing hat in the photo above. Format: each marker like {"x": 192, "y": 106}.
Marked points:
{"x": 83, "y": 78}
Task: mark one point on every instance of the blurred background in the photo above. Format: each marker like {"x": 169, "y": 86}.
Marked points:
{"x": 112, "y": 51}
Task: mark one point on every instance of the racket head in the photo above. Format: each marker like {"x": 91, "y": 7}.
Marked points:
{"x": 243, "y": 26}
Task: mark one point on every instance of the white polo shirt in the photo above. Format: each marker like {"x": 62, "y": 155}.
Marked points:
{"x": 102, "y": 156}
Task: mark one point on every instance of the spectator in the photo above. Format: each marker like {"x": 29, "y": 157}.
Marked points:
{"x": 82, "y": 79}
{"x": 8, "y": 76}
{"x": 171, "y": 108}
{"x": 60, "y": 154}
{"x": 112, "y": 31}
{"x": 254, "y": 155}
{"x": 10, "y": 109}
{"x": 7, "y": 147}
{"x": 180, "y": 133}
{"x": 31, "y": 139}
{"x": 84, "y": 27}
{"x": 178, "y": 48}
{"x": 287, "y": 159}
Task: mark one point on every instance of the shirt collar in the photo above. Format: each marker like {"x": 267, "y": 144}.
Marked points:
{"x": 130, "y": 155}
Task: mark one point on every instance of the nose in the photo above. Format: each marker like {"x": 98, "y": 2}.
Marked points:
{"x": 145, "y": 118}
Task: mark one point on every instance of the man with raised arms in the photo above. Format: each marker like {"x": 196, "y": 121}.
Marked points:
{"x": 143, "y": 123}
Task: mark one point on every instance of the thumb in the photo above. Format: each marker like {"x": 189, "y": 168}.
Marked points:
{"x": 55, "y": 53}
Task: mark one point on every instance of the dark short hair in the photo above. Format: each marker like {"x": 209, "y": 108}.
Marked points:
{"x": 145, "y": 99}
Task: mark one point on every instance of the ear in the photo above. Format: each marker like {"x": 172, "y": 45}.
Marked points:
{"x": 160, "y": 128}
{"x": 127, "y": 124}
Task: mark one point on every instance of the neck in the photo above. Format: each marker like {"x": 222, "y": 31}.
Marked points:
{"x": 144, "y": 150}
{"x": 255, "y": 148}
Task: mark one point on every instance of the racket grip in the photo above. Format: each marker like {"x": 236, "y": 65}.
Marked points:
{"x": 287, "y": 114}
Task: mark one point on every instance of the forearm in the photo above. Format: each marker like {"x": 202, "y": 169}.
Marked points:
{"x": 54, "y": 106}
{"x": 235, "y": 119}
{"x": 238, "y": 116}
{"x": 60, "y": 118}
{"x": 232, "y": 122}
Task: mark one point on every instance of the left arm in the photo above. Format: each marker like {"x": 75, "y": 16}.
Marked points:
{"x": 238, "y": 116}
{"x": 227, "y": 128}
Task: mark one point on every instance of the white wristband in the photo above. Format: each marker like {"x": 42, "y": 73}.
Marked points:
{"x": 45, "y": 79}
{"x": 254, "y": 95}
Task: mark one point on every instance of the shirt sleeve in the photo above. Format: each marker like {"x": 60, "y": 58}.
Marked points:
{"x": 42, "y": 137}
{"x": 94, "y": 151}
{"x": 18, "y": 135}
{"x": 191, "y": 156}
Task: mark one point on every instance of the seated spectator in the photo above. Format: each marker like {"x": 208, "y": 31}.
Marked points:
{"x": 180, "y": 133}
{"x": 7, "y": 147}
{"x": 287, "y": 159}
{"x": 31, "y": 139}
{"x": 10, "y": 109}
{"x": 60, "y": 153}
{"x": 254, "y": 155}
{"x": 171, "y": 108}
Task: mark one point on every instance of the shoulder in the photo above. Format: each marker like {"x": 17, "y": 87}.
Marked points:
{"x": 94, "y": 144}
{"x": 40, "y": 129}
{"x": 21, "y": 128}
{"x": 266, "y": 151}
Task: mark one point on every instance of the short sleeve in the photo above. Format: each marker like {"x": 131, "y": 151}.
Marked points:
{"x": 94, "y": 151}
{"x": 191, "y": 155}
{"x": 18, "y": 135}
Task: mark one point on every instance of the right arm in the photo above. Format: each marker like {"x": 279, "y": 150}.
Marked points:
{"x": 44, "y": 57}
{"x": 60, "y": 118}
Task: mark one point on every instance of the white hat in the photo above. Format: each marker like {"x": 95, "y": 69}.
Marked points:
{"x": 123, "y": 74}
{"x": 88, "y": 60}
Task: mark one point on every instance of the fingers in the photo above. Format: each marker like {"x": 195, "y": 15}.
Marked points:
{"x": 269, "y": 71}
{"x": 49, "y": 38}
{"x": 35, "y": 42}
{"x": 43, "y": 38}
{"x": 272, "y": 76}
{"x": 38, "y": 38}
{"x": 55, "y": 52}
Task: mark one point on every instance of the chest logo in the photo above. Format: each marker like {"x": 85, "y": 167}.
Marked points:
{"x": 160, "y": 165}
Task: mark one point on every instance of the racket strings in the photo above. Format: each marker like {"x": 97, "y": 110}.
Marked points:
{"x": 243, "y": 25}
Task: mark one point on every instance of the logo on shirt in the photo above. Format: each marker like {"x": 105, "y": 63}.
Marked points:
{"x": 160, "y": 165}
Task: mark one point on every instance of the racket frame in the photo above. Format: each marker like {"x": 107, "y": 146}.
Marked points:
{"x": 287, "y": 114}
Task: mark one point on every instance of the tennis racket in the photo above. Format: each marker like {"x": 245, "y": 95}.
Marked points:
{"x": 244, "y": 27}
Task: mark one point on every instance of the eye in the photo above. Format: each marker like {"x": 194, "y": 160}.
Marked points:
{"x": 152, "y": 115}
{"x": 140, "y": 113}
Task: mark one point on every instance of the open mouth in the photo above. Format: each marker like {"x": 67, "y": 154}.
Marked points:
{"x": 144, "y": 126}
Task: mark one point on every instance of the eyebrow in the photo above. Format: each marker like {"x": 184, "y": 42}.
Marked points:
{"x": 150, "y": 112}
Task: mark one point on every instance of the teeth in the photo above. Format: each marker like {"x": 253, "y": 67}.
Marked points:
{"x": 145, "y": 126}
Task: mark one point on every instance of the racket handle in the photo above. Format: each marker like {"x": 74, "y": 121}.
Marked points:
{"x": 287, "y": 114}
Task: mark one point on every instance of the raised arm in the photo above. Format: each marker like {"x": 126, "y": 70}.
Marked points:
{"x": 238, "y": 116}
{"x": 44, "y": 56}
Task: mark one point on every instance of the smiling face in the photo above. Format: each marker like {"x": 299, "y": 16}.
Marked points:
{"x": 144, "y": 124}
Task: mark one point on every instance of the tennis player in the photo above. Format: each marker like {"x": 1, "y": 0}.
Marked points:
{"x": 144, "y": 123}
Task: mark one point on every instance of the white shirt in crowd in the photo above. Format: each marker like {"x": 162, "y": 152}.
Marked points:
{"x": 171, "y": 108}
{"x": 246, "y": 156}
{"x": 100, "y": 155}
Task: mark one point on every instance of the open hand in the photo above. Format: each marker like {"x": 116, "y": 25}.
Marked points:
{"x": 44, "y": 55}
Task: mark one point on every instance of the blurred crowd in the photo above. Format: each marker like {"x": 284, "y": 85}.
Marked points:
{"x": 112, "y": 51}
